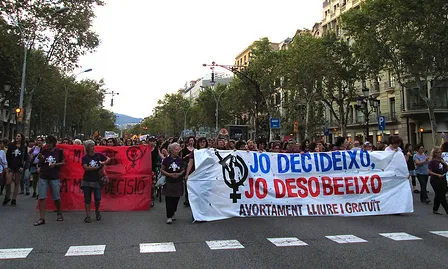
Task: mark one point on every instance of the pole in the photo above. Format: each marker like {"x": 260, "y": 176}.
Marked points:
{"x": 366, "y": 113}
{"x": 65, "y": 109}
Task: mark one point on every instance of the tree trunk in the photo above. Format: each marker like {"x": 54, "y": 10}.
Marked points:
{"x": 28, "y": 111}
{"x": 307, "y": 118}
{"x": 432, "y": 118}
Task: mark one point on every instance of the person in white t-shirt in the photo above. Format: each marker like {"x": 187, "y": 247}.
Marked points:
{"x": 3, "y": 165}
{"x": 394, "y": 144}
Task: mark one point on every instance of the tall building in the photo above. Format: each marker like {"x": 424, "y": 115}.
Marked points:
{"x": 405, "y": 111}
{"x": 192, "y": 90}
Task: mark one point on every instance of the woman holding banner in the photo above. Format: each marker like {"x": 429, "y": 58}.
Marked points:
{"x": 93, "y": 163}
{"x": 173, "y": 170}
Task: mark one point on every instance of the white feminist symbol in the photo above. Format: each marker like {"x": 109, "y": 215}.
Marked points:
{"x": 93, "y": 163}
{"x": 50, "y": 160}
{"x": 174, "y": 166}
{"x": 17, "y": 152}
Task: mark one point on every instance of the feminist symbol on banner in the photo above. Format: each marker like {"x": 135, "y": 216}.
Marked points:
{"x": 229, "y": 164}
{"x": 134, "y": 154}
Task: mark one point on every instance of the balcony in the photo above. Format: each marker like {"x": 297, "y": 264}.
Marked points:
{"x": 389, "y": 87}
{"x": 416, "y": 105}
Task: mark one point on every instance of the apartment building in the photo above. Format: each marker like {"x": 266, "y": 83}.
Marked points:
{"x": 403, "y": 108}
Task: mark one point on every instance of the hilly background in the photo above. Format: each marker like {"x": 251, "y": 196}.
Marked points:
{"x": 124, "y": 119}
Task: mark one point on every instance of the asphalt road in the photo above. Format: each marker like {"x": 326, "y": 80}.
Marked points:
{"x": 120, "y": 234}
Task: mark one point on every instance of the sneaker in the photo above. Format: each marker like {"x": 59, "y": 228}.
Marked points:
{"x": 173, "y": 217}
{"x": 34, "y": 195}
{"x": 169, "y": 221}
{"x": 437, "y": 212}
{"x": 416, "y": 191}
{"x": 13, "y": 202}
{"x": 27, "y": 193}
{"x": 6, "y": 201}
{"x": 428, "y": 202}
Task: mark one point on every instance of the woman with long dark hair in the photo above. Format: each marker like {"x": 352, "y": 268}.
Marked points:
{"x": 16, "y": 157}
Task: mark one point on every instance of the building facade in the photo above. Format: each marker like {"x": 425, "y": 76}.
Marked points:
{"x": 405, "y": 112}
{"x": 192, "y": 91}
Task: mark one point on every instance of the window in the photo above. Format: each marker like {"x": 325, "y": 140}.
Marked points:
{"x": 392, "y": 108}
{"x": 391, "y": 78}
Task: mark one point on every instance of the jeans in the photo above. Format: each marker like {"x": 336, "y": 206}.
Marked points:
{"x": 423, "y": 180}
{"x": 171, "y": 205}
{"x": 440, "y": 188}
{"x": 88, "y": 194}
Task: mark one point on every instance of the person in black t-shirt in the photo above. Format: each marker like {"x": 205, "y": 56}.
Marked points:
{"x": 50, "y": 161}
{"x": 93, "y": 164}
{"x": 16, "y": 157}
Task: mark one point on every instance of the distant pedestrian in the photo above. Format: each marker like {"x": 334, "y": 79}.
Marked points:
{"x": 173, "y": 169}
{"x": 34, "y": 161}
{"x": 50, "y": 161}
{"x": 3, "y": 165}
{"x": 421, "y": 160}
{"x": 394, "y": 144}
{"x": 93, "y": 163}
{"x": 437, "y": 169}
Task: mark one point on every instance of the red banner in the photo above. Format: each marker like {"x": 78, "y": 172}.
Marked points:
{"x": 129, "y": 172}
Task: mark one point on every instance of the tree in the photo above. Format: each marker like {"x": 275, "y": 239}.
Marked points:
{"x": 342, "y": 70}
{"x": 61, "y": 38}
{"x": 408, "y": 37}
{"x": 304, "y": 68}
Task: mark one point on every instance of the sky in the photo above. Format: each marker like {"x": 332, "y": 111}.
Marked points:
{"x": 151, "y": 48}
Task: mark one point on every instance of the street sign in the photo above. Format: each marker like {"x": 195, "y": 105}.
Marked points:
{"x": 381, "y": 123}
{"x": 274, "y": 123}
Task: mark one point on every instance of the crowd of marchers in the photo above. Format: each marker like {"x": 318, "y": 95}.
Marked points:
{"x": 35, "y": 164}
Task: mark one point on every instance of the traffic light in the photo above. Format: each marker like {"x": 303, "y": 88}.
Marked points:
{"x": 213, "y": 77}
{"x": 19, "y": 114}
{"x": 296, "y": 127}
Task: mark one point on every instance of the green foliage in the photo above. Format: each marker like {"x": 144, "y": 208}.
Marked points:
{"x": 408, "y": 37}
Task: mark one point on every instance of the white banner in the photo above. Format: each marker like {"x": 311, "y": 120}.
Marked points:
{"x": 110, "y": 134}
{"x": 229, "y": 184}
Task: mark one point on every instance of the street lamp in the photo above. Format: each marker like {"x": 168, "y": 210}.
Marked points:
{"x": 112, "y": 93}
{"x": 217, "y": 100}
{"x": 66, "y": 97}
{"x": 26, "y": 47}
{"x": 363, "y": 103}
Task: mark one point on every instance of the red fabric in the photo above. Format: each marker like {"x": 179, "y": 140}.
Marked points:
{"x": 129, "y": 172}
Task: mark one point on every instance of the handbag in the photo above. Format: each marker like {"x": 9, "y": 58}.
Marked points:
{"x": 161, "y": 180}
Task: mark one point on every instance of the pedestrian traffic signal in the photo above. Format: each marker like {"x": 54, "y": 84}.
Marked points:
{"x": 19, "y": 114}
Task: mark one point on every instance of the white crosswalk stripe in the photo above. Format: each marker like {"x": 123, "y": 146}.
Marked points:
{"x": 14, "y": 253}
{"x": 400, "y": 236}
{"x": 346, "y": 239}
{"x": 224, "y": 244}
{"x": 157, "y": 247}
{"x": 287, "y": 242}
{"x": 86, "y": 250}
{"x": 441, "y": 233}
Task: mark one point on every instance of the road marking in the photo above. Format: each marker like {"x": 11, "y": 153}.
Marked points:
{"x": 14, "y": 253}
{"x": 441, "y": 233}
{"x": 86, "y": 250}
{"x": 157, "y": 247}
{"x": 400, "y": 236}
{"x": 346, "y": 239}
{"x": 224, "y": 244}
{"x": 287, "y": 242}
